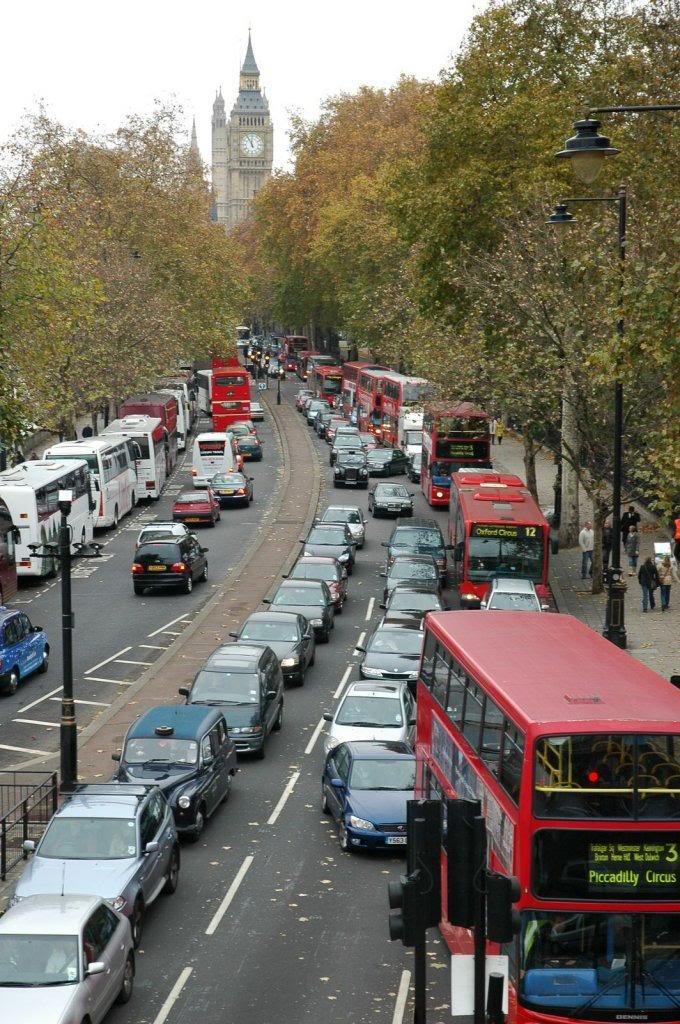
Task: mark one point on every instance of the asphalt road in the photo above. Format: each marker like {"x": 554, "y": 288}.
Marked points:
{"x": 117, "y": 635}
{"x": 271, "y": 922}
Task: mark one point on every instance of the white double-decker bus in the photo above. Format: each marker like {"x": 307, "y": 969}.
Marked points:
{"x": 112, "y": 471}
{"x": 146, "y": 439}
{"x": 30, "y": 492}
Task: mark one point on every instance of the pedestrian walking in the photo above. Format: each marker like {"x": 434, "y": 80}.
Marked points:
{"x": 500, "y": 431}
{"x": 629, "y": 519}
{"x": 607, "y": 539}
{"x": 492, "y": 430}
{"x": 632, "y": 549}
{"x": 667, "y": 576}
{"x": 586, "y": 541}
{"x": 648, "y": 578}
{"x": 676, "y": 535}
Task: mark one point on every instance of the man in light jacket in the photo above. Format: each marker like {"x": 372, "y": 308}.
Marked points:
{"x": 586, "y": 540}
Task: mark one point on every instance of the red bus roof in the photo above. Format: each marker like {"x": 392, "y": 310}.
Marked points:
{"x": 496, "y": 501}
{"x": 360, "y": 365}
{"x": 324, "y": 370}
{"x": 552, "y": 669}
{"x": 455, "y": 409}
{"x": 404, "y": 378}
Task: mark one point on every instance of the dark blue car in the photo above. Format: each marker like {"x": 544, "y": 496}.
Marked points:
{"x": 365, "y": 786}
{"x": 23, "y": 649}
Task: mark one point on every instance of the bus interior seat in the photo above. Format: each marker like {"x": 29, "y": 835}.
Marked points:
{"x": 559, "y": 986}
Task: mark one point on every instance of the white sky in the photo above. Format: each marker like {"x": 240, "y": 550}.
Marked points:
{"x": 92, "y": 62}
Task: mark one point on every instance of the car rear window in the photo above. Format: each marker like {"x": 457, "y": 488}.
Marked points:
{"x": 155, "y": 553}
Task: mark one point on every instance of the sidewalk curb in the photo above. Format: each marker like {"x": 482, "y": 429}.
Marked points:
{"x": 177, "y": 647}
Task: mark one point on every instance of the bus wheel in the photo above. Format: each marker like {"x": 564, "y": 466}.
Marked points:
{"x": 114, "y": 524}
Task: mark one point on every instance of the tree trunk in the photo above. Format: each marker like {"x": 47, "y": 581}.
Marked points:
{"x": 530, "y": 462}
{"x": 569, "y": 517}
{"x": 95, "y": 420}
{"x": 599, "y": 516}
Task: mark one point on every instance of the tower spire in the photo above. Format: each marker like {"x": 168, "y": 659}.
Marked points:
{"x": 193, "y": 145}
{"x": 250, "y": 64}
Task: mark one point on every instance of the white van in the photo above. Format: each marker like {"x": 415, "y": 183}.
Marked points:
{"x": 212, "y": 454}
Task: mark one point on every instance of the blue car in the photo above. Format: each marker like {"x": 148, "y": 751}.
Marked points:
{"x": 365, "y": 786}
{"x": 23, "y": 649}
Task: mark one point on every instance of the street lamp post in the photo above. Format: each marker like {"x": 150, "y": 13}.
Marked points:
{"x": 278, "y": 385}
{"x": 68, "y": 735}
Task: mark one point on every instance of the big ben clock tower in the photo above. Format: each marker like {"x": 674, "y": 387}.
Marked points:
{"x": 242, "y": 147}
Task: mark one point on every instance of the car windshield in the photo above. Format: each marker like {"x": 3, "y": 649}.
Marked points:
{"x": 265, "y": 631}
{"x": 163, "y": 532}
{"x": 341, "y": 515}
{"x": 315, "y": 571}
{"x": 399, "y": 775}
{"x": 417, "y": 460}
{"x": 514, "y": 603}
{"x": 367, "y": 438}
{"x": 396, "y": 641}
{"x": 391, "y": 491}
{"x": 191, "y": 499}
{"x": 30, "y": 961}
{"x": 347, "y": 440}
{"x": 377, "y": 711}
{"x": 611, "y": 964}
{"x": 379, "y": 455}
{"x": 156, "y": 554}
{"x": 89, "y": 839}
{"x": 306, "y": 596}
{"x": 409, "y": 600}
{"x": 413, "y": 437}
{"x": 326, "y": 535}
{"x": 412, "y": 537}
{"x": 160, "y": 748}
{"x": 226, "y": 686}
{"x": 405, "y": 570}
{"x": 229, "y": 480}
{"x": 505, "y": 556}
{"x": 351, "y": 459}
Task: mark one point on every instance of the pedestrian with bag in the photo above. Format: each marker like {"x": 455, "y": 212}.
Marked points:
{"x": 586, "y": 541}
{"x": 667, "y": 575}
{"x": 629, "y": 519}
{"x": 648, "y": 578}
{"x": 632, "y": 550}
{"x": 500, "y": 431}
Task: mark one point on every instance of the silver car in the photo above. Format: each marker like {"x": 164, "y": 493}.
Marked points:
{"x": 64, "y": 960}
{"x": 116, "y": 840}
{"x": 350, "y": 514}
{"x": 371, "y": 711}
{"x": 513, "y": 595}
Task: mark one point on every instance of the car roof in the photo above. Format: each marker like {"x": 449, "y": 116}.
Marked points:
{"x": 48, "y": 915}
{"x": 342, "y": 508}
{"x": 186, "y": 721}
{"x": 371, "y": 750}
{"x": 369, "y": 688}
{"x": 164, "y": 524}
{"x": 390, "y": 483}
{"x": 413, "y": 587}
{"x": 276, "y": 616}
{"x": 414, "y": 627}
{"x": 317, "y": 560}
{"x": 416, "y": 523}
{"x": 106, "y": 800}
{"x": 414, "y": 558}
{"x": 501, "y": 585}
{"x": 191, "y": 496}
{"x": 300, "y": 583}
{"x": 237, "y": 653}
{"x": 7, "y": 613}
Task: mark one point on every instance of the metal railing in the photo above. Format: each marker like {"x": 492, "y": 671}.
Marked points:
{"x": 27, "y": 802}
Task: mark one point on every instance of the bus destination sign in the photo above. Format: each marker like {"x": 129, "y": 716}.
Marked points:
{"x": 445, "y": 449}
{"x": 503, "y": 531}
{"x": 615, "y": 865}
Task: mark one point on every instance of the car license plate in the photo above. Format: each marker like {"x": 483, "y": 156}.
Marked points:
{"x": 396, "y": 840}
{"x": 394, "y": 508}
{"x": 156, "y": 568}
{"x": 226, "y": 492}
{"x": 192, "y": 519}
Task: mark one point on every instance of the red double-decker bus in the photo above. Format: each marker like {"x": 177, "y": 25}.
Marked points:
{"x": 399, "y": 392}
{"x": 350, "y": 379}
{"x": 573, "y": 749}
{"x": 230, "y": 399}
{"x": 453, "y": 436}
{"x": 496, "y": 529}
{"x": 369, "y": 401}
{"x": 8, "y": 560}
{"x": 326, "y": 383}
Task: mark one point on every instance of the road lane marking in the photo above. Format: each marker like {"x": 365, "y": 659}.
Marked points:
{"x": 102, "y": 679}
{"x": 106, "y": 661}
{"x": 78, "y": 700}
{"x": 345, "y": 677}
{"x": 34, "y": 703}
{"x": 27, "y": 750}
{"x": 271, "y": 820}
{"x": 175, "y": 993}
{"x": 36, "y": 721}
{"x": 402, "y": 996}
{"x": 314, "y": 737}
{"x": 224, "y": 905}
{"x": 162, "y": 629}
{"x": 369, "y": 610}
{"x": 124, "y": 661}
{"x": 153, "y": 647}
{"x": 362, "y": 637}
{"x": 171, "y": 632}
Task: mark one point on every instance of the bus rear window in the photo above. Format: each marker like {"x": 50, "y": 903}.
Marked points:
{"x": 229, "y": 381}
{"x": 621, "y": 775}
{"x": 211, "y": 447}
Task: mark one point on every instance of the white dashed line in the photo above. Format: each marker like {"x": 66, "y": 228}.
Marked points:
{"x": 101, "y": 664}
{"x": 362, "y": 637}
{"x": 94, "y": 703}
{"x": 344, "y": 679}
{"x": 271, "y": 820}
{"x": 162, "y": 629}
{"x": 33, "y": 703}
{"x": 369, "y": 610}
{"x": 402, "y": 996}
{"x": 27, "y": 750}
{"x": 36, "y": 721}
{"x": 224, "y": 905}
{"x": 153, "y": 647}
{"x": 314, "y": 737}
{"x": 175, "y": 993}
{"x": 124, "y": 661}
{"x": 102, "y": 679}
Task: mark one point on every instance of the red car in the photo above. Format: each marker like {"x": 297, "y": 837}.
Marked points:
{"x": 300, "y": 397}
{"x": 321, "y": 567}
{"x": 197, "y": 507}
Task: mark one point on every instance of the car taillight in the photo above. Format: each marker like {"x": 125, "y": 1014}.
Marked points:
{"x": 136, "y": 567}
{"x": 241, "y": 490}
{"x": 149, "y": 485}
{"x": 194, "y": 472}
{"x": 178, "y": 567}
{"x": 26, "y": 562}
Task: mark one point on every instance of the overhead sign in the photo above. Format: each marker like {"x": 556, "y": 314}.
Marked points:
{"x": 504, "y": 531}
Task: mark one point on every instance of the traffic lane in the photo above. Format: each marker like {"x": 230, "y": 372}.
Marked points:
{"x": 111, "y": 651}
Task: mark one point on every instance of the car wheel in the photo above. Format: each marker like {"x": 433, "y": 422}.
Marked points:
{"x": 279, "y": 720}
{"x": 128, "y": 982}
{"x": 204, "y": 574}
{"x": 114, "y": 524}
{"x": 344, "y": 838}
{"x": 172, "y": 880}
{"x": 325, "y": 636}
{"x": 338, "y": 608}
{"x": 227, "y": 793}
{"x": 260, "y": 754}
{"x": 45, "y": 664}
{"x": 137, "y": 922}
{"x": 189, "y": 585}
{"x": 12, "y": 682}
{"x": 312, "y": 659}
{"x": 325, "y": 809}
{"x": 138, "y": 590}
{"x": 199, "y": 825}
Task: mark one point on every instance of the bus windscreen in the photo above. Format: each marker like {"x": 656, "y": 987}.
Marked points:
{"x": 496, "y": 549}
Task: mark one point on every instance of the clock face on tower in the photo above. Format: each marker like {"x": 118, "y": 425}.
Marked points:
{"x": 252, "y": 144}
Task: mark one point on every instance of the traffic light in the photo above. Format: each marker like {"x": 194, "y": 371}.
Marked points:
{"x": 460, "y": 857}
{"x": 502, "y": 920}
{"x": 403, "y": 898}
{"x": 423, "y": 851}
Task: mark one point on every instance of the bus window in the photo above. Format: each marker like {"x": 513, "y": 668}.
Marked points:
{"x": 520, "y": 556}
{"x": 441, "y": 677}
{"x": 473, "y": 714}
{"x": 492, "y": 732}
{"x": 511, "y": 763}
